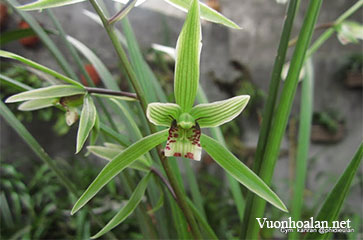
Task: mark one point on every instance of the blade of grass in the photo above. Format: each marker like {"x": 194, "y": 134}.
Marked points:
{"x": 281, "y": 115}
{"x": 131, "y": 205}
{"x": 271, "y": 101}
{"x": 63, "y": 63}
{"x": 15, "y": 84}
{"x": 202, "y": 221}
{"x": 306, "y": 114}
{"x": 193, "y": 185}
{"x": 137, "y": 61}
{"x": 333, "y": 203}
{"x": 38, "y": 66}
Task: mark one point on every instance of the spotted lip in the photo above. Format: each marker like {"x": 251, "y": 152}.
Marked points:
{"x": 183, "y": 142}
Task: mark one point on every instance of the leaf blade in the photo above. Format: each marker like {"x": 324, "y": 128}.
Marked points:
{"x": 131, "y": 205}
{"x": 37, "y": 104}
{"x": 188, "y": 49}
{"x": 119, "y": 163}
{"x": 47, "y": 92}
{"x": 43, "y": 4}
{"x": 333, "y": 203}
{"x": 86, "y": 122}
{"x": 35, "y": 65}
{"x": 239, "y": 171}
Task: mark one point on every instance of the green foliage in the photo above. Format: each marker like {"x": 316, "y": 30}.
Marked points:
{"x": 130, "y": 144}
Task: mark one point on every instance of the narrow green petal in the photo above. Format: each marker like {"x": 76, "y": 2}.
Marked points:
{"x": 239, "y": 171}
{"x": 119, "y": 163}
{"x": 36, "y": 104}
{"x": 131, "y": 205}
{"x": 162, "y": 114}
{"x": 217, "y": 113}
{"x": 47, "y": 92}
{"x": 187, "y": 59}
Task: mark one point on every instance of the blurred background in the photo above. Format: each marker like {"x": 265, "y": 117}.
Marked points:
{"x": 233, "y": 62}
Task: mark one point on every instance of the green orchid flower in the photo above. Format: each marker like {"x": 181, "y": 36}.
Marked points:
{"x": 185, "y": 121}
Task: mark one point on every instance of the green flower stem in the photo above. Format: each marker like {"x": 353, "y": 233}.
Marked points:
{"x": 327, "y": 34}
{"x": 282, "y": 113}
{"x": 272, "y": 98}
{"x": 110, "y": 92}
{"x": 181, "y": 199}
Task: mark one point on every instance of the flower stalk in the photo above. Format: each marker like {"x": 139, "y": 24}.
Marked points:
{"x": 181, "y": 200}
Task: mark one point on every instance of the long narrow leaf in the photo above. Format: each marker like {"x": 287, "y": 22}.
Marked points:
{"x": 58, "y": 56}
{"x": 201, "y": 219}
{"x": 233, "y": 185}
{"x": 109, "y": 153}
{"x": 333, "y": 203}
{"x": 101, "y": 69}
{"x": 206, "y": 12}
{"x": 239, "y": 171}
{"x": 282, "y": 113}
{"x": 271, "y": 101}
{"x": 37, "y": 104}
{"x": 134, "y": 200}
{"x": 305, "y": 121}
{"x": 15, "y": 84}
{"x": 86, "y": 122}
{"x": 35, "y": 65}
{"x": 43, "y": 4}
{"x": 119, "y": 163}
{"x": 47, "y": 92}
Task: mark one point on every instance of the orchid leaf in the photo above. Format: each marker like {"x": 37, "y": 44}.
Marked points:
{"x": 131, "y": 205}
{"x": 119, "y": 163}
{"x": 162, "y": 114}
{"x": 187, "y": 59}
{"x": 239, "y": 171}
{"x": 217, "y": 113}
{"x": 42, "y": 68}
{"x": 101, "y": 69}
{"x": 43, "y": 4}
{"x": 110, "y": 152}
{"x": 206, "y": 12}
{"x": 36, "y": 104}
{"x": 87, "y": 121}
{"x": 47, "y": 92}
{"x": 333, "y": 203}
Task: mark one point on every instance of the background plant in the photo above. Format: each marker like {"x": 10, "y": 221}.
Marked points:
{"x": 106, "y": 127}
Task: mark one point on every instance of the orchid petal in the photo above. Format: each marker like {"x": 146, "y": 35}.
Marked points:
{"x": 187, "y": 59}
{"x": 162, "y": 114}
{"x": 183, "y": 142}
{"x": 217, "y": 113}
